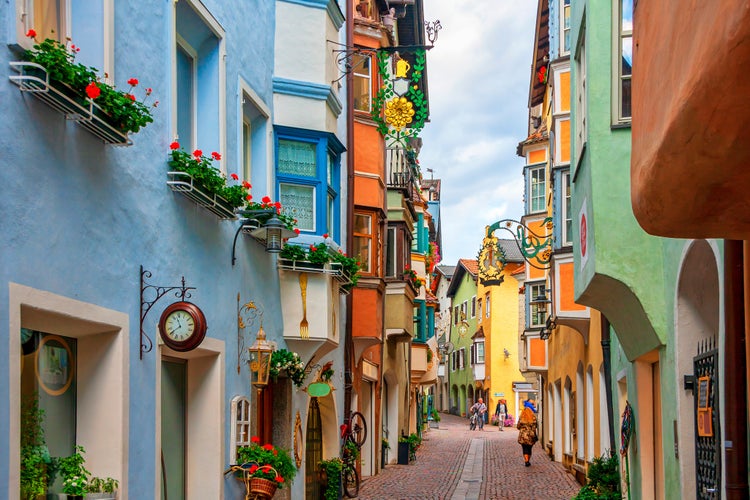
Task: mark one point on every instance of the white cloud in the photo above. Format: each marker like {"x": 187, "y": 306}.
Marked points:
{"x": 478, "y": 75}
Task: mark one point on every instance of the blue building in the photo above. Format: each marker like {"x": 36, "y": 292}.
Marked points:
{"x": 95, "y": 231}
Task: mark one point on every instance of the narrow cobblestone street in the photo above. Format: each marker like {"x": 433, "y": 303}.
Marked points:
{"x": 456, "y": 463}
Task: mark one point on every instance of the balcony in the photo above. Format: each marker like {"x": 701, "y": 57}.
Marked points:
{"x": 310, "y": 307}
{"x": 399, "y": 307}
{"x": 402, "y": 172}
{"x": 478, "y": 371}
{"x": 419, "y": 361}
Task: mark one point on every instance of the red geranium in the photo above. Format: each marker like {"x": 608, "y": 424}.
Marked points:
{"x": 246, "y": 185}
{"x": 249, "y": 197}
{"x": 325, "y": 235}
{"x": 255, "y": 439}
{"x": 31, "y": 33}
{"x": 174, "y": 145}
{"x": 268, "y": 447}
{"x": 266, "y": 199}
{"x": 253, "y": 469}
{"x": 133, "y": 82}
{"x": 266, "y": 469}
{"x": 279, "y": 479}
{"x": 216, "y": 156}
{"x": 197, "y": 153}
{"x": 93, "y": 90}
{"x": 296, "y": 230}
{"x": 131, "y": 97}
{"x": 235, "y": 176}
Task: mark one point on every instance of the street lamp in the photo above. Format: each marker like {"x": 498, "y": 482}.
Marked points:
{"x": 271, "y": 234}
{"x": 260, "y": 360}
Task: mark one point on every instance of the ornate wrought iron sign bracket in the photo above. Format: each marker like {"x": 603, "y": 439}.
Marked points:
{"x": 156, "y": 292}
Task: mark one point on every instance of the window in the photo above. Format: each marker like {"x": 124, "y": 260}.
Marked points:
{"x": 254, "y": 134}
{"x": 198, "y": 68}
{"x": 623, "y": 60}
{"x": 538, "y": 188}
{"x": 565, "y": 27}
{"x": 462, "y": 358}
{"x": 477, "y": 352}
{"x": 487, "y": 305}
{"x": 362, "y": 69}
{"x": 390, "y": 253}
{"x": 456, "y": 315}
{"x": 307, "y": 172}
{"x": 454, "y": 362}
{"x": 580, "y": 111}
{"x": 567, "y": 220}
{"x": 464, "y": 310}
{"x": 479, "y": 308}
{"x": 537, "y": 317}
{"x": 88, "y": 24}
{"x": 240, "y": 425}
{"x": 363, "y": 241}
{"x": 474, "y": 306}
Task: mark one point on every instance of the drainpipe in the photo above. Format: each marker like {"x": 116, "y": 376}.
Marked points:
{"x": 607, "y": 361}
{"x": 348, "y": 341}
{"x": 735, "y": 404}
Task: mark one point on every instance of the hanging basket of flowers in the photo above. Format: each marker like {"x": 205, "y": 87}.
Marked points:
{"x": 263, "y": 469}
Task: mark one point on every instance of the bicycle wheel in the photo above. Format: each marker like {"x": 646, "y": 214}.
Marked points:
{"x": 351, "y": 482}
{"x": 358, "y": 429}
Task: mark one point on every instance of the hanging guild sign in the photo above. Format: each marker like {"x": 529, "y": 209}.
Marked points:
{"x": 400, "y": 109}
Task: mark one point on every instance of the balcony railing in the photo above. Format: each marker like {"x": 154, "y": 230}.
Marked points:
{"x": 402, "y": 173}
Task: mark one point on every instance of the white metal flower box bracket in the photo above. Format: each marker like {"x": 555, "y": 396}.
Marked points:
{"x": 34, "y": 79}
{"x": 183, "y": 183}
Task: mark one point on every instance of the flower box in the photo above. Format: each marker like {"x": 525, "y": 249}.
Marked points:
{"x": 183, "y": 183}
{"x": 34, "y": 79}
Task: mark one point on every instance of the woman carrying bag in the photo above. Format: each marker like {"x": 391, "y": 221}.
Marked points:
{"x": 527, "y": 433}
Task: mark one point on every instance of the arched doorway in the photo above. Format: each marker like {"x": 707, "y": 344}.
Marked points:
{"x": 313, "y": 450}
{"x": 697, "y": 314}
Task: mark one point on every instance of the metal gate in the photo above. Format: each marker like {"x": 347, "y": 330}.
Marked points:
{"x": 706, "y": 414}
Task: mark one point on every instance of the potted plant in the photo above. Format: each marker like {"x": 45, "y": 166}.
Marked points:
{"x": 74, "y": 474}
{"x": 411, "y": 276}
{"x": 403, "y": 450}
{"x": 53, "y": 63}
{"x": 265, "y": 468}
{"x": 38, "y": 469}
{"x": 283, "y": 360}
{"x": 102, "y": 488}
{"x": 330, "y": 471}
{"x": 384, "y": 447}
{"x": 317, "y": 256}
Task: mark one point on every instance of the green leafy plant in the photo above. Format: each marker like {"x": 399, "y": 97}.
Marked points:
{"x": 38, "y": 469}
{"x": 385, "y": 444}
{"x": 103, "y": 485}
{"x": 412, "y": 276}
{"x": 74, "y": 473}
{"x": 332, "y": 469}
{"x": 435, "y": 415}
{"x": 326, "y": 373}
{"x": 323, "y": 254}
{"x": 267, "y": 462}
{"x": 289, "y": 361}
{"x": 429, "y": 355}
{"x": 351, "y": 450}
{"x": 124, "y": 112}
{"x": 201, "y": 169}
{"x": 603, "y": 479}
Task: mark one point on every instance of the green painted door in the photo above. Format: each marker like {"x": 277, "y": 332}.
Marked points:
{"x": 173, "y": 389}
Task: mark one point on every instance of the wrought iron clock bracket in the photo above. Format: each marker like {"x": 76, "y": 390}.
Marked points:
{"x": 182, "y": 292}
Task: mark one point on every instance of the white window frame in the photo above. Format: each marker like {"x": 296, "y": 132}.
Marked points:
{"x": 563, "y": 29}
{"x": 581, "y": 132}
{"x": 193, "y": 54}
{"x": 534, "y": 292}
{"x": 566, "y": 209}
{"x": 477, "y": 358}
{"x": 462, "y": 358}
{"x": 236, "y": 437}
{"x": 617, "y": 77}
{"x": 474, "y": 306}
{"x": 213, "y": 25}
{"x": 364, "y": 75}
{"x": 543, "y": 171}
{"x": 479, "y": 309}
{"x": 25, "y": 22}
{"x": 487, "y": 305}
{"x": 247, "y": 94}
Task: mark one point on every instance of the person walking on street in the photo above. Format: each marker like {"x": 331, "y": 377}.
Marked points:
{"x": 501, "y": 410}
{"x": 527, "y": 433}
{"x": 479, "y": 409}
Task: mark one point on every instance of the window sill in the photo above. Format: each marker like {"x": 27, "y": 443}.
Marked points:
{"x": 183, "y": 183}
{"x": 34, "y": 79}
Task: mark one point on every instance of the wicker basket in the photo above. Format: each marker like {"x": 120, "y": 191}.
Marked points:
{"x": 263, "y": 487}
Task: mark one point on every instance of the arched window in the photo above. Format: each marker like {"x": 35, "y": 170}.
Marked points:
{"x": 240, "y": 429}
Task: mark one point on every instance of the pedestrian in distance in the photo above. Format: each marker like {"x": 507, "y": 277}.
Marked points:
{"x": 501, "y": 411}
{"x": 527, "y": 433}
{"x": 479, "y": 409}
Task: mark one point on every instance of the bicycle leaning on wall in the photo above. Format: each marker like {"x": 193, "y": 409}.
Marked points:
{"x": 353, "y": 435}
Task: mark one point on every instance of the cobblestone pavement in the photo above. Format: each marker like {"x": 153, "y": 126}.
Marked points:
{"x": 442, "y": 471}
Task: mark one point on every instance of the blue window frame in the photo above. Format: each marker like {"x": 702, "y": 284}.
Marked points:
{"x": 308, "y": 166}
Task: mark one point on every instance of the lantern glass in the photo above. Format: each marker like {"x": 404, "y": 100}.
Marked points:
{"x": 260, "y": 360}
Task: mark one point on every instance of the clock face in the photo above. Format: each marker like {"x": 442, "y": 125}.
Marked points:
{"x": 182, "y": 326}
{"x": 179, "y": 325}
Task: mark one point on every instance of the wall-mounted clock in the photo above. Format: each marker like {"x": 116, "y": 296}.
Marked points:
{"x": 182, "y": 326}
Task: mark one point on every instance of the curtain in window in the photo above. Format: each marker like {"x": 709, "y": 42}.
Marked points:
{"x": 297, "y": 158}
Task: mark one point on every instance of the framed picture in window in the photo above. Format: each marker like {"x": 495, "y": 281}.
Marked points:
{"x": 54, "y": 365}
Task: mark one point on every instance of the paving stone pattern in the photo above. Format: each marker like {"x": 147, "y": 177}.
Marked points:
{"x": 445, "y": 469}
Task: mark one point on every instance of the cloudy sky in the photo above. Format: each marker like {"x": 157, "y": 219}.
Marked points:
{"x": 478, "y": 74}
